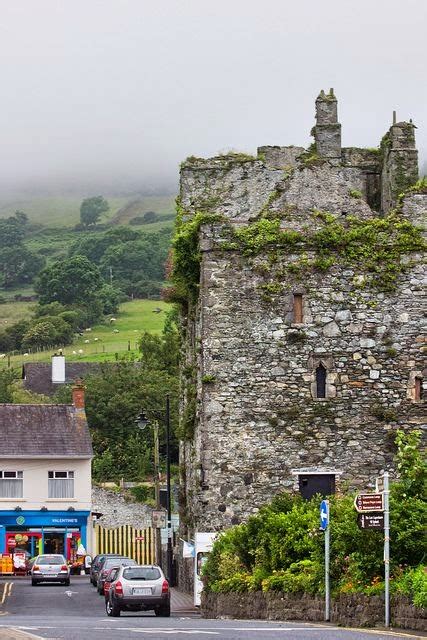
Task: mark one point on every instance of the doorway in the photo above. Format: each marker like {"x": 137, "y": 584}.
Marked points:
{"x": 54, "y": 543}
{"x": 311, "y": 484}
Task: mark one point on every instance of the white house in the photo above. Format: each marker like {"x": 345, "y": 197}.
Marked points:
{"x": 45, "y": 477}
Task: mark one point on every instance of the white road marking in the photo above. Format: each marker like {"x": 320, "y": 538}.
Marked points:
{"x": 189, "y": 632}
{"x": 70, "y": 593}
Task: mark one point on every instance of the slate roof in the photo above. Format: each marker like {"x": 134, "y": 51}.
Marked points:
{"x": 37, "y": 376}
{"x": 43, "y": 431}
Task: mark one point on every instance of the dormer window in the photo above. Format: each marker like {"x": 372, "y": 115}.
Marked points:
{"x": 297, "y": 308}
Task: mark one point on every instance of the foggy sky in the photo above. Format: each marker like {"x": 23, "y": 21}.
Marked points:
{"x": 113, "y": 94}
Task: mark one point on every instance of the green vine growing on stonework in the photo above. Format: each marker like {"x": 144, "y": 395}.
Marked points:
{"x": 373, "y": 247}
{"x": 310, "y": 157}
{"x": 186, "y": 253}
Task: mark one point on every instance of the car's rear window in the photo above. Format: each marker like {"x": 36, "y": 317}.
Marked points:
{"x": 51, "y": 559}
{"x": 116, "y": 562}
{"x": 141, "y": 573}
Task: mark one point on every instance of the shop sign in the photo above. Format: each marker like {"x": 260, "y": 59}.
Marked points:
{"x": 11, "y": 543}
{"x": 64, "y": 520}
{"x": 20, "y": 520}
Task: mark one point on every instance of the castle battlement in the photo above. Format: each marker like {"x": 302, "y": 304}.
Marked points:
{"x": 303, "y": 342}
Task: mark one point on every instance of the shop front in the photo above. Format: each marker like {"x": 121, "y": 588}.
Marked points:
{"x": 35, "y": 532}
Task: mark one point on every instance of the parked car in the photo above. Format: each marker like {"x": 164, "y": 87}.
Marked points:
{"x": 138, "y": 588}
{"x": 50, "y": 568}
{"x": 109, "y": 579}
{"x": 106, "y": 564}
{"x": 96, "y": 563}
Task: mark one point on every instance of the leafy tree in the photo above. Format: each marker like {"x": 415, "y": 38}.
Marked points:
{"x": 51, "y": 309}
{"x": 18, "y": 264}
{"x": 11, "y": 233}
{"x": 91, "y": 210}
{"x": 21, "y": 217}
{"x": 42, "y": 334}
{"x": 109, "y": 298}
{"x": 7, "y": 378}
{"x": 116, "y": 395}
{"x": 74, "y": 280}
{"x": 11, "y": 337}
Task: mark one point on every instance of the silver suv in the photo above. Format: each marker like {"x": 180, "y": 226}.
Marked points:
{"x": 138, "y": 588}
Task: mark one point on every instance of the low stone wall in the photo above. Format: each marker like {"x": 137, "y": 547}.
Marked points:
{"x": 350, "y": 610}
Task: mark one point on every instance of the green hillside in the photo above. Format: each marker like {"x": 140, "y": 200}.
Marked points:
{"x": 64, "y": 211}
{"x": 103, "y": 341}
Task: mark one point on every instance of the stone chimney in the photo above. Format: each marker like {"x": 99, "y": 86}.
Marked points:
{"x": 58, "y": 368}
{"x": 327, "y": 132}
{"x": 400, "y": 162}
{"x": 79, "y": 395}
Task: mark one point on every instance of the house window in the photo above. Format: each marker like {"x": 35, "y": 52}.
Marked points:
{"x": 298, "y": 317}
{"x": 61, "y": 484}
{"x": 11, "y": 484}
{"x": 418, "y": 389}
{"x": 321, "y": 381}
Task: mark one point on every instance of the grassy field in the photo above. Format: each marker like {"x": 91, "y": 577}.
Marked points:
{"x": 103, "y": 341}
{"x": 162, "y": 205}
{"x": 56, "y": 211}
{"x": 12, "y": 312}
{"x": 64, "y": 211}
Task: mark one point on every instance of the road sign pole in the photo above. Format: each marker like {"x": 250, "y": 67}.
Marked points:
{"x": 327, "y": 559}
{"x": 387, "y": 549}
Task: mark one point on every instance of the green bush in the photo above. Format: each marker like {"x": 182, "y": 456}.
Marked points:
{"x": 282, "y": 549}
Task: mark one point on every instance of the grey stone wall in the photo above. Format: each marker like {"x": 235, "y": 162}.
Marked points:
{"x": 258, "y": 421}
{"x": 117, "y": 509}
{"x": 400, "y": 168}
{"x": 350, "y": 610}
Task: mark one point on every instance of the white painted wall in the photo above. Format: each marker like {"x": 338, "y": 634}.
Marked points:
{"x": 35, "y": 492}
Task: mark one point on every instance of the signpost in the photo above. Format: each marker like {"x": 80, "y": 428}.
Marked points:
{"x": 374, "y": 520}
{"x": 386, "y": 495}
{"x": 324, "y": 525}
{"x": 374, "y": 513}
{"x": 369, "y": 502}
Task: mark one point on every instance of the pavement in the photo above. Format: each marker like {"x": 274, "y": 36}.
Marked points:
{"x": 182, "y": 602}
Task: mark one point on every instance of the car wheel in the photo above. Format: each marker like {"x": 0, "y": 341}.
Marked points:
{"x": 100, "y": 590}
{"x": 112, "y": 609}
{"x": 34, "y": 583}
{"x": 164, "y": 611}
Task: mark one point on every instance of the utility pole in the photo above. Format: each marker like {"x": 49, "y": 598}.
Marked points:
{"x": 158, "y": 540}
{"x": 168, "y": 486}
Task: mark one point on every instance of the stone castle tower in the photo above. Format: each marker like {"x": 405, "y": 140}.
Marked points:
{"x": 303, "y": 339}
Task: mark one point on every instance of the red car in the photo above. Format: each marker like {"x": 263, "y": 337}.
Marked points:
{"x": 109, "y": 578}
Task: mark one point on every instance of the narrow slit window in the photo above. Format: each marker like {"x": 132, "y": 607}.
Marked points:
{"x": 418, "y": 389}
{"x": 298, "y": 317}
{"x": 321, "y": 381}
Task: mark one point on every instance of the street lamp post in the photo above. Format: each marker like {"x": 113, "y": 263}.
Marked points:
{"x": 142, "y": 422}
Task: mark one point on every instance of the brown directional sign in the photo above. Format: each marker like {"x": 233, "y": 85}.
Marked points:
{"x": 369, "y": 502}
{"x": 371, "y": 520}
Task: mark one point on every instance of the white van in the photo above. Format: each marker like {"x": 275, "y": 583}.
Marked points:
{"x": 202, "y": 547}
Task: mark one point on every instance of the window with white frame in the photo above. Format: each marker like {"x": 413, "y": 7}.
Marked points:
{"x": 61, "y": 484}
{"x": 11, "y": 484}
